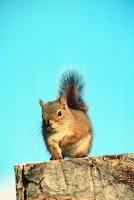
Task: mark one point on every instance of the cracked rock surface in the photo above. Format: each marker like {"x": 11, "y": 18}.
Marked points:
{"x": 92, "y": 178}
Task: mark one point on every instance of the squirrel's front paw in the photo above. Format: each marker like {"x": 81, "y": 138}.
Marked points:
{"x": 56, "y": 158}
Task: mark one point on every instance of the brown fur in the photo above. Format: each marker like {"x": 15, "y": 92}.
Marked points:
{"x": 66, "y": 128}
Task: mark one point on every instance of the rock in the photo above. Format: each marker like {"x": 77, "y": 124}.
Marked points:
{"x": 92, "y": 178}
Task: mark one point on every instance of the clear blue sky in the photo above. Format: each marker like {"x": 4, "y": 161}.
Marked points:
{"x": 38, "y": 39}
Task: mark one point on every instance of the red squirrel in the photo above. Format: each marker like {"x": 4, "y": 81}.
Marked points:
{"x": 66, "y": 127}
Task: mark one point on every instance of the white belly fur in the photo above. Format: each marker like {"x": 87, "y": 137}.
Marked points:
{"x": 57, "y": 137}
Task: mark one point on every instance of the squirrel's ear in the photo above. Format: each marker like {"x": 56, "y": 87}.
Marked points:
{"x": 63, "y": 101}
{"x": 41, "y": 103}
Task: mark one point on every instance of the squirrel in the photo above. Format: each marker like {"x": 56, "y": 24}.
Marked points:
{"x": 66, "y": 127}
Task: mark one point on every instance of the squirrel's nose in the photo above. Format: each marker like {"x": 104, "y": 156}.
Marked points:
{"x": 48, "y": 123}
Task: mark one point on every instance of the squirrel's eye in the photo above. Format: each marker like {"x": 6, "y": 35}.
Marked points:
{"x": 59, "y": 113}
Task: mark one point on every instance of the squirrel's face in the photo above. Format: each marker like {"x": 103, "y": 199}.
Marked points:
{"x": 54, "y": 113}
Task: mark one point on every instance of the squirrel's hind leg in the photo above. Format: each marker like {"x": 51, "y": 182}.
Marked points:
{"x": 81, "y": 155}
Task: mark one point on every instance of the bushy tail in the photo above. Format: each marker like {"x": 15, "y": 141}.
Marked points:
{"x": 72, "y": 85}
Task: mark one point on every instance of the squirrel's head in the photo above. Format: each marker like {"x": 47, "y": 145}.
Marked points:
{"x": 54, "y": 113}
